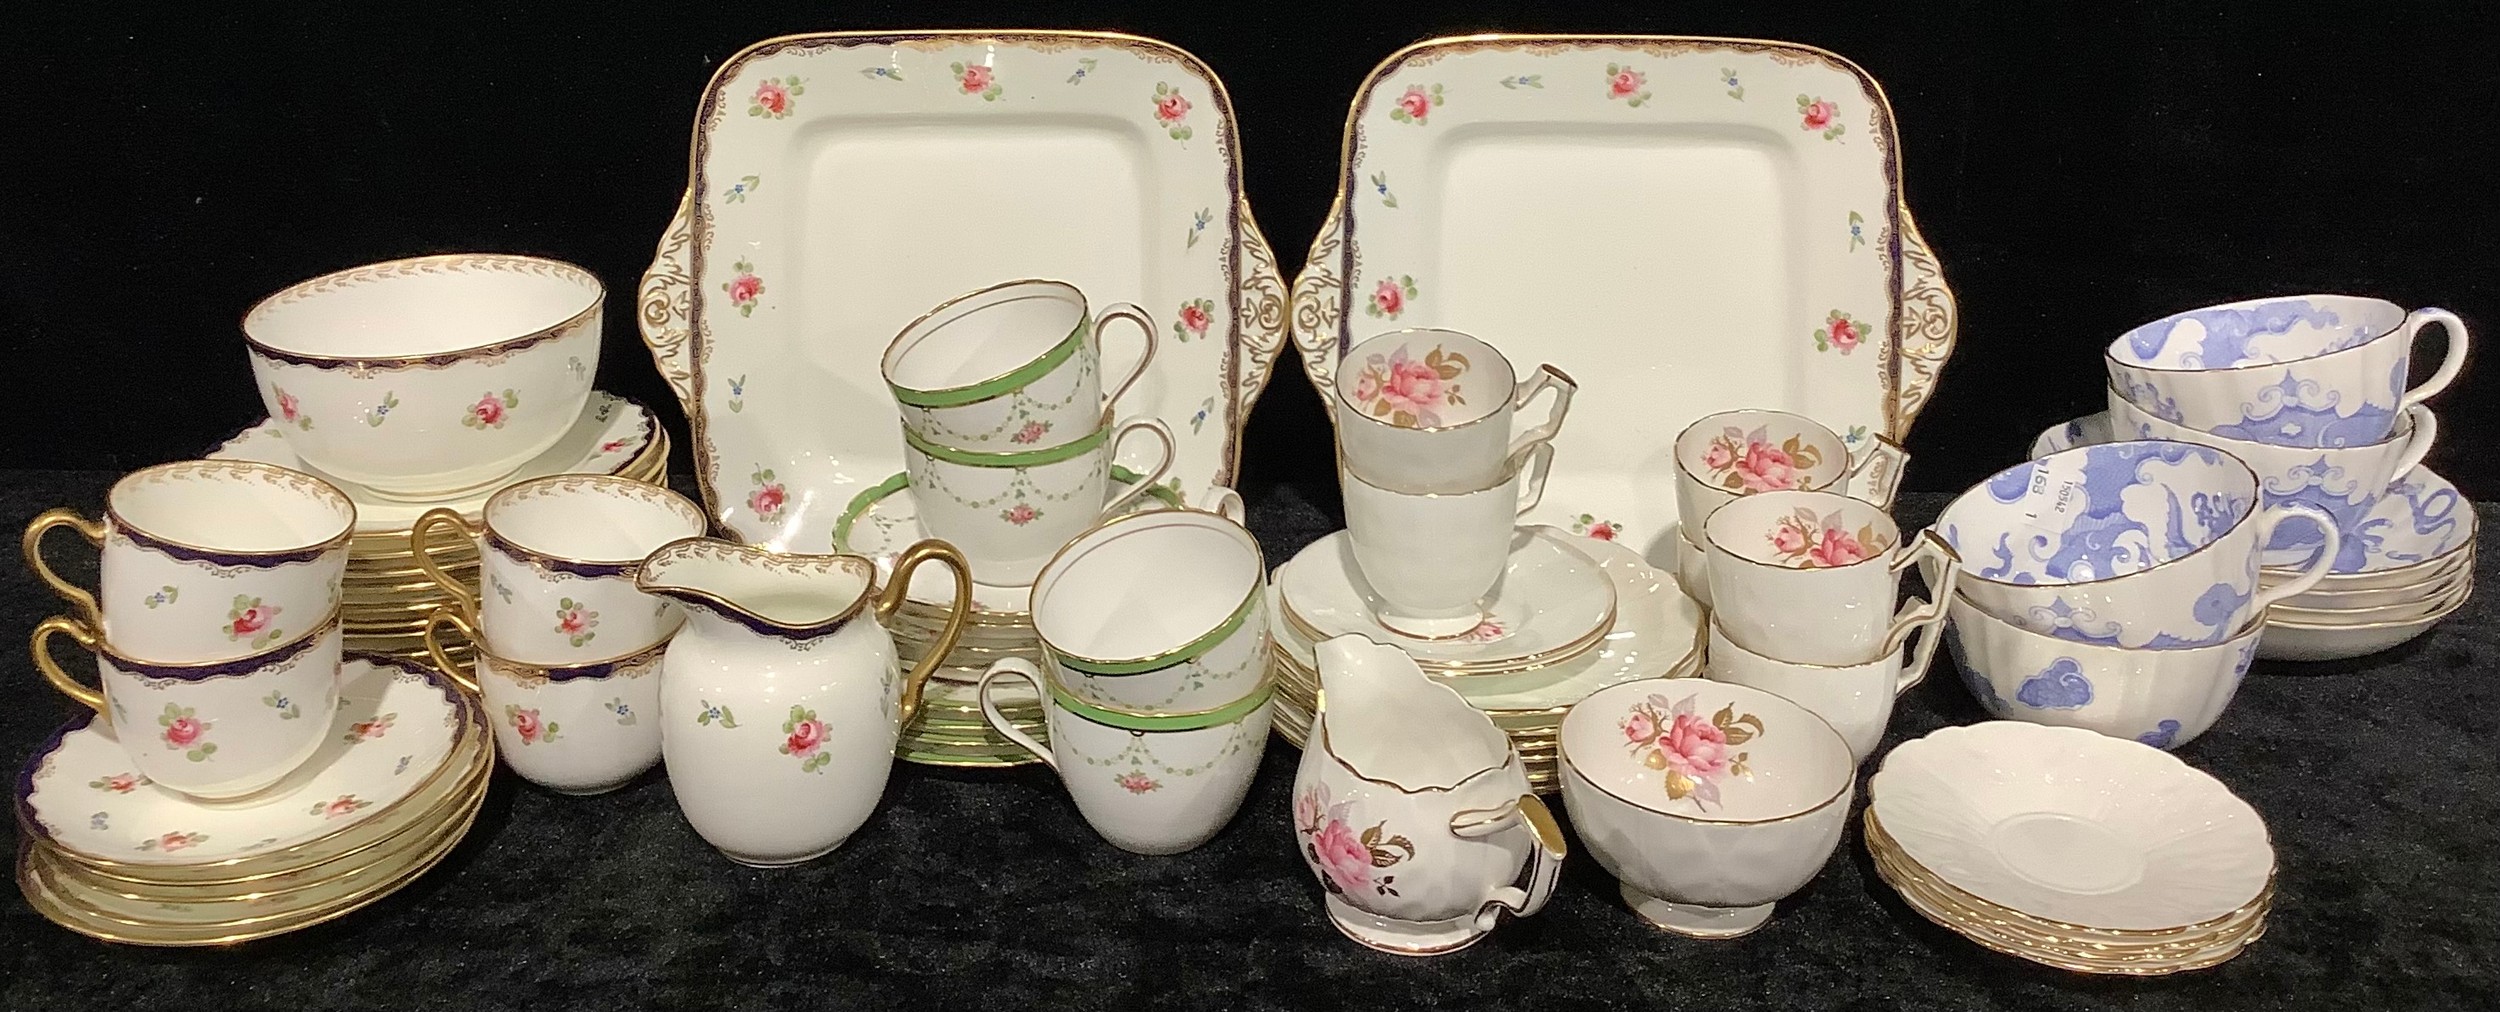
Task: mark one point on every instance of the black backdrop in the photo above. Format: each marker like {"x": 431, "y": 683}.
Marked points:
{"x": 2078, "y": 168}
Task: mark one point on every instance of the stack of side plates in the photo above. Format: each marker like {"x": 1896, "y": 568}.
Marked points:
{"x": 393, "y": 788}
{"x": 2005, "y": 833}
{"x": 1572, "y": 615}
{"x": 2403, "y": 568}
{"x": 386, "y": 596}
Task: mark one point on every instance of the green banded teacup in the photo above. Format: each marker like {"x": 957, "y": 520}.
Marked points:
{"x": 1009, "y": 510}
{"x": 1011, "y": 367}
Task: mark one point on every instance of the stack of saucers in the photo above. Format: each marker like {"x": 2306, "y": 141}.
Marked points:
{"x": 385, "y": 596}
{"x": 2310, "y": 391}
{"x": 1571, "y": 615}
{"x": 879, "y": 523}
{"x": 2003, "y": 833}
{"x": 393, "y": 787}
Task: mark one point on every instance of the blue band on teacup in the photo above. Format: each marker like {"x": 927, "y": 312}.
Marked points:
{"x": 269, "y": 658}
{"x": 560, "y": 673}
{"x": 550, "y": 563}
{"x": 180, "y": 552}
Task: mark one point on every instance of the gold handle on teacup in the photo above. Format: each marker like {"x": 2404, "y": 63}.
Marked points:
{"x": 1146, "y": 326}
{"x": 86, "y": 637}
{"x": 32, "y": 545}
{"x": 899, "y": 589}
{"x": 1163, "y": 435}
{"x": 420, "y": 544}
{"x": 442, "y": 659}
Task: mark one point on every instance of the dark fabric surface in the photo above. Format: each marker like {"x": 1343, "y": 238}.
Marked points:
{"x": 2377, "y": 777}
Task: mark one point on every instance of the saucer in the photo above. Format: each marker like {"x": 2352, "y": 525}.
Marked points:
{"x": 394, "y": 730}
{"x": 882, "y": 520}
{"x": 1553, "y": 603}
{"x": 2420, "y": 518}
{"x": 609, "y": 437}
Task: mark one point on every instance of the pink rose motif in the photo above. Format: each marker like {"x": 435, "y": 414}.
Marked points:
{"x": 611, "y": 446}
{"x": 1789, "y": 539}
{"x": 171, "y": 842}
{"x": 773, "y": 97}
{"x": 346, "y": 804}
{"x": 1718, "y": 456}
{"x": 525, "y": 723}
{"x": 766, "y": 501}
{"x": 1344, "y": 858}
{"x": 1605, "y": 530}
{"x": 1818, "y": 114}
{"x": 1170, "y": 108}
{"x": 1390, "y": 298}
{"x": 1694, "y": 747}
{"x": 251, "y": 620}
{"x": 182, "y": 731}
{"x": 1137, "y": 782}
{"x": 1416, "y": 103}
{"x": 1020, "y": 514}
{"x": 1030, "y": 433}
{"x": 570, "y": 622}
{"x": 1844, "y": 334}
{"x": 1194, "y": 317}
{"x": 1626, "y": 82}
{"x": 1838, "y": 548}
{"x": 1766, "y": 467}
{"x": 744, "y": 288}
{"x": 1640, "y": 728}
{"x": 805, "y": 737}
{"x": 1411, "y": 385}
{"x": 977, "y": 79}
{"x": 122, "y": 783}
{"x": 489, "y": 410}
{"x": 286, "y": 405}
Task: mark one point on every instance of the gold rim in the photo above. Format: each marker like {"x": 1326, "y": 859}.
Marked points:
{"x": 893, "y": 346}
{"x": 1338, "y": 387}
{"x": 322, "y": 489}
{"x": 598, "y": 297}
{"x": 1877, "y": 834}
{"x": 1848, "y": 782}
{"x": 1687, "y": 430}
{"x": 605, "y": 483}
{"x": 2441, "y": 612}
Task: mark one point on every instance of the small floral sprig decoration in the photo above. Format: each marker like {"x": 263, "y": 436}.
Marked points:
{"x": 490, "y": 410}
{"x": 1389, "y": 298}
{"x": 1020, "y": 514}
{"x": 576, "y": 622}
{"x": 803, "y": 738}
{"x": 1627, "y": 84}
{"x": 769, "y": 497}
{"x": 291, "y": 411}
{"x": 367, "y": 730}
{"x": 737, "y": 192}
{"x": 1137, "y": 782}
{"x": 738, "y": 394}
{"x": 1197, "y": 225}
{"x": 711, "y": 714}
{"x": 1084, "y": 66}
{"x": 1193, "y": 319}
{"x": 1587, "y": 525}
{"x": 1380, "y": 185}
{"x": 1816, "y": 114}
{"x": 624, "y": 711}
{"x": 287, "y": 710}
{"x": 1031, "y": 433}
{"x": 119, "y": 783}
{"x": 527, "y": 726}
{"x": 186, "y": 733}
{"x": 1416, "y": 104}
{"x": 1172, "y": 111}
{"x": 345, "y": 804}
{"x": 1857, "y": 231}
{"x": 1735, "y": 88}
{"x": 881, "y": 73}
{"x": 744, "y": 288}
{"x": 379, "y": 413}
{"x": 171, "y": 842}
{"x": 251, "y": 621}
{"x": 773, "y": 95}
{"x": 166, "y": 594}
{"x": 1518, "y": 81}
{"x": 976, "y": 79}
{"x": 1840, "y": 332}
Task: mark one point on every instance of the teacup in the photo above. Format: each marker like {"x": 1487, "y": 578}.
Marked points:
{"x": 1856, "y": 699}
{"x": 207, "y": 560}
{"x": 2142, "y": 543}
{"x": 1431, "y": 411}
{"x": 2308, "y": 371}
{"x": 1150, "y": 784}
{"x": 558, "y": 560}
{"x": 428, "y": 376}
{"x": 1009, "y": 511}
{"x": 1692, "y": 564}
{"x": 2162, "y": 698}
{"x": 1157, "y": 612}
{"x": 1811, "y": 577}
{"x": 1708, "y": 801}
{"x": 213, "y": 730}
{"x": 1432, "y": 557}
{"x": 1737, "y": 453}
{"x": 572, "y": 728}
{"x": 2345, "y": 483}
{"x": 1015, "y": 366}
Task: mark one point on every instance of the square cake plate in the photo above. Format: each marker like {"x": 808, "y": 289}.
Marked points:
{"x": 844, "y": 183}
{"x": 1689, "y": 225}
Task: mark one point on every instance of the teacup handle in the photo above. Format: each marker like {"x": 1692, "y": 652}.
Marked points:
{"x": 2272, "y": 517}
{"x": 32, "y": 545}
{"x": 1016, "y": 667}
{"x": 1941, "y": 567}
{"x": 1545, "y": 378}
{"x": 2425, "y": 433}
{"x": 421, "y": 544}
{"x": 42, "y": 644}
{"x": 1540, "y": 463}
{"x": 1547, "y": 848}
{"x": 1155, "y": 475}
{"x": 2448, "y": 367}
{"x": 1226, "y": 503}
{"x": 1132, "y": 313}
{"x": 898, "y": 589}
{"x": 1876, "y": 476}
{"x": 451, "y": 616}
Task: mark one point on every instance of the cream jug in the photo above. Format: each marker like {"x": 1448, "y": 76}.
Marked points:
{"x": 1412, "y": 809}
{"x": 781, "y": 698}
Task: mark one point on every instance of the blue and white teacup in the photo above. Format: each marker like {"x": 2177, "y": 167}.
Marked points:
{"x": 2345, "y": 484}
{"x": 2142, "y": 543}
{"x": 2311, "y": 370}
{"x": 2162, "y": 698}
